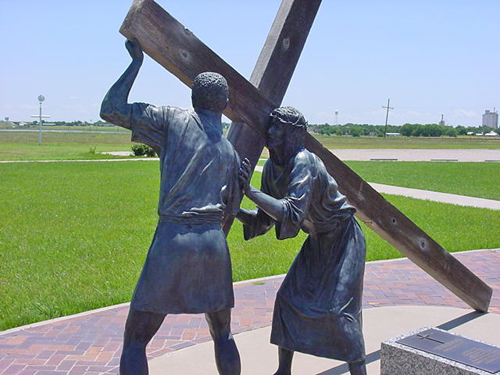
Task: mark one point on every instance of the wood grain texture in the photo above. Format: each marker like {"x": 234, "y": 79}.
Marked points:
{"x": 273, "y": 71}
{"x": 180, "y": 52}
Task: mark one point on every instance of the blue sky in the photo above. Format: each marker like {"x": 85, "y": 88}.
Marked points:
{"x": 430, "y": 57}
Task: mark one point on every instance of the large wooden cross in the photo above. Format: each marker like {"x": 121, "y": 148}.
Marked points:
{"x": 176, "y": 48}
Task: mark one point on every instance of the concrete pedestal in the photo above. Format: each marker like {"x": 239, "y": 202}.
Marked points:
{"x": 397, "y": 359}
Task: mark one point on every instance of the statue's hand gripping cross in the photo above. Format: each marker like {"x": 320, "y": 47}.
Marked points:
{"x": 175, "y": 48}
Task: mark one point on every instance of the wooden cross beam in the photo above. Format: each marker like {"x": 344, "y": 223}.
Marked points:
{"x": 184, "y": 55}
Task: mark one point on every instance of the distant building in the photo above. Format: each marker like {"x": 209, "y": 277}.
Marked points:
{"x": 442, "y": 123}
{"x": 490, "y": 119}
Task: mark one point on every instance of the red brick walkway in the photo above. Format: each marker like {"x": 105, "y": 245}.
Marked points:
{"x": 91, "y": 344}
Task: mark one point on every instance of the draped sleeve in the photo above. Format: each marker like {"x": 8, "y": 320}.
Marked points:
{"x": 148, "y": 124}
{"x": 297, "y": 199}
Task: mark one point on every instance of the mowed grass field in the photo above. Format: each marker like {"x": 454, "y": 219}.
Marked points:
{"x": 61, "y": 146}
{"x": 472, "y": 179}
{"x": 73, "y": 236}
{"x": 23, "y": 145}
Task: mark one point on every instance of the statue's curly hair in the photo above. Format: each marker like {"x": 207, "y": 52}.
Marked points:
{"x": 209, "y": 91}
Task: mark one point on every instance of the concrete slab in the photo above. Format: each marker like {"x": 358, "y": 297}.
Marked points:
{"x": 118, "y": 153}
{"x": 258, "y": 356}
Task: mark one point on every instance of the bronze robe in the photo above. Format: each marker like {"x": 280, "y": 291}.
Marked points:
{"x": 188, "y": 268}
{"x": 318, "y": 306}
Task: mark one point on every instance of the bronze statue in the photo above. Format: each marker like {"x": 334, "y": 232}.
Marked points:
{"x": 188, "y": 268}
{"x": 318, "y": 306}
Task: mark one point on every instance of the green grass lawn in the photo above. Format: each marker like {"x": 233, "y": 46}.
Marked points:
{"x": 73, "y": 236}
{"x": 61, "y": 146}
{"x": 57, "y": 146}
{"x": 480, "y": 180}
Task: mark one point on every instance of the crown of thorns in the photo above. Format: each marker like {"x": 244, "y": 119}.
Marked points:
{"x": 289, "y": 116}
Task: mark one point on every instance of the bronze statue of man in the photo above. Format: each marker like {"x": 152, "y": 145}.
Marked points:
{"x": 188, "y": 268}
{"x": 318, "y": 306}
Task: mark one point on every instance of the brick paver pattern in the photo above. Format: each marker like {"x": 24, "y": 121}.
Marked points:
{"x": 91, "y": 344}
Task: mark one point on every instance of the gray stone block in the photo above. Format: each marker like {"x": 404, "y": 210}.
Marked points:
{"x": 400, "y": 359}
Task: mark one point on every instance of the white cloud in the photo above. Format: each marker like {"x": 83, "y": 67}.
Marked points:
{"x": 464, "y": 113}
{"x": 73, "y": 106}
{"x": 377, "y": 112}
{"x": 28, "y": 106}
{"x": 416, "y": 114}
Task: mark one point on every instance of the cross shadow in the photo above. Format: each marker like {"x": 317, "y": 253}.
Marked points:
{"x": 461, "y": 320}
{"x": 375, "y": 356}
{"x": 344, "y": 369}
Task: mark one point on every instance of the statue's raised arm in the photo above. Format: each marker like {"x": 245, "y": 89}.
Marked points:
{"x": 114, "y": 107}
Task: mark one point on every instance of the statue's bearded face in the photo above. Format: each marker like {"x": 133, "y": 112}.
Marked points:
{"x": 275, "y": 135}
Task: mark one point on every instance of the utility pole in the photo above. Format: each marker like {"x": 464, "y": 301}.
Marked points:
{"x": 336, "y": 117}
{"x": 388, "y": 108}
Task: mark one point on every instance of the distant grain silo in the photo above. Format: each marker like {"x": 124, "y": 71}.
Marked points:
{"x": 490, "y": 119}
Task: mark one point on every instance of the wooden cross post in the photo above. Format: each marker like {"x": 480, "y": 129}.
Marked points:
{"x": 274, "y": 69}
{"x": 176, "y": 48}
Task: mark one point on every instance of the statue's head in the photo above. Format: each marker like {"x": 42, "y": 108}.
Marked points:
{"x": 287, "y": 129}
{"x": 210, "y": 91}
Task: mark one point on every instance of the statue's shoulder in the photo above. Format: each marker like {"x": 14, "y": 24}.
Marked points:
{"x": 176, "y": 111}
{"x": 179, "y": 117}
{"x": 305, "y": 158}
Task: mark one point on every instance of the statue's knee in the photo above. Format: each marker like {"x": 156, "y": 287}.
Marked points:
{"x": 134, "y": 346}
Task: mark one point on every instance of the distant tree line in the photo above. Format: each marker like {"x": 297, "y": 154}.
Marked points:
{"x": 70, "y": 123}
{"x": 349, "y": 129}
{"x": 408, "y": 130}
{"x": 82, "y": 123}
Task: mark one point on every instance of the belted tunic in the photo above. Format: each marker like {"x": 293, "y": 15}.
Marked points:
{"x": 188, "y": 268}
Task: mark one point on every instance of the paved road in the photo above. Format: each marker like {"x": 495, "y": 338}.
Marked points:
{"x": 461, "y": 155}
{"x": 434, "y": 196}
